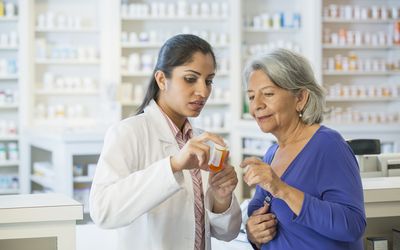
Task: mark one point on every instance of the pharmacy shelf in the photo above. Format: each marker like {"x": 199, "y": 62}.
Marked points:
{"x": 148, "y": 45}
{"x": 9, "y": 163}
{"x": 360, "y": 73}
{"x": 217, "y": 103}
{"x": 43, "y": 181}
{"x": 136, "y": 74}
{"x": 183, "y": 18}
{"x": 9, "y": 138}
{"x": 362, "y": 99}
{"x": 9, "y": 191}
{"x": 259, "y": 153}
{"x": 67, "y": 61}
{"x": 263, "y": 30}
{"x": 65, "y": 122}
{"x": 364, "y": 127}
{"x": 8, "y": 47}
{"x": 66, "y": 30}
{"x": 361, "y": 47}
{"x": 355, "y": 21}
{"x": 8, "y": 19}
{"x": 9, "y": 106}
{"x": 66, "y": 92}
{"x": 9, "y": 77}
{"x": 83, "y": 179}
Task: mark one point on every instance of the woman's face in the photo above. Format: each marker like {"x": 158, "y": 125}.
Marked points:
{"x": 186, "y": 92}
{"x": 272, "y": 107}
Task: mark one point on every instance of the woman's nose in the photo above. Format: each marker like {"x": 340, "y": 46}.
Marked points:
{"x": 258, "y": 102}
{"x": 202, "y": 89}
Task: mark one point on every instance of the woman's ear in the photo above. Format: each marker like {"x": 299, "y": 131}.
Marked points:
{"x": 302, "y": 99}
{"x": 160, "y": 79}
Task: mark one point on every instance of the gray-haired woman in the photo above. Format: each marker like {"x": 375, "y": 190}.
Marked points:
{"x": 310, "y": 179}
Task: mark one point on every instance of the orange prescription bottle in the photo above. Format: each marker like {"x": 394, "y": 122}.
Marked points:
{"x": 217, "y": 157}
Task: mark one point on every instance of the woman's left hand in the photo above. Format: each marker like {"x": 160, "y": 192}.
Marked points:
{"x": 258, "y": 172}
{"x": 222, "y": 185}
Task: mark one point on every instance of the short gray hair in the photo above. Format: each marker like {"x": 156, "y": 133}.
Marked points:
{"x": 293, "y": 72}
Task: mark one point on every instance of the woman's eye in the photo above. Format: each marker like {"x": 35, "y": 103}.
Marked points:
{"x": 268, "y": 94}
{"x": 209, "y": 82}
{"x": 190, "y": 79}
{"x": 251, "y": 98}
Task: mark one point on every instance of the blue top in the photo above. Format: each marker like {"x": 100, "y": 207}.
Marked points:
{"x": 332, "y": 215}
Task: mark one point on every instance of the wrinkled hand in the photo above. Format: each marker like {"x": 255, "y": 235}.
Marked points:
{"x": 261, "y": 226}
{"x": 223, "y": 183}
{"x": 195, "y": 153}
{"x": 258, "y": 172}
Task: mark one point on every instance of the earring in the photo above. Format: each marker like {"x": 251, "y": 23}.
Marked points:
{"x": 300, "y": 114}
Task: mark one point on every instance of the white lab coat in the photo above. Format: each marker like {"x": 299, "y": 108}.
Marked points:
{"x": 135, "y": 190}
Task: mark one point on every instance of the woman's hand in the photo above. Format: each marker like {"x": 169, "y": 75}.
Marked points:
{"x": 261, "y": 226}
{"x": 258, "y": 172}
{"x": 262, "y": 174}
{"x": 222, "y": 185}
{"x": 195, "y": 153}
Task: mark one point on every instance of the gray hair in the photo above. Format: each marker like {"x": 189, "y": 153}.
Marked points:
{"x": 293, "y": 72}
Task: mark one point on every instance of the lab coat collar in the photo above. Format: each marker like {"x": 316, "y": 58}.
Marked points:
{"x": 158, "y": 122}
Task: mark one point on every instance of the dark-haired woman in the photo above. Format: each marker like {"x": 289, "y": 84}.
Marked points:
{"x": 152, "y": 180}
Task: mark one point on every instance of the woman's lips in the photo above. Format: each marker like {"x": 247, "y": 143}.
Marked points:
{"x": 197, "y": 105}
{"x": 263, "y": 118}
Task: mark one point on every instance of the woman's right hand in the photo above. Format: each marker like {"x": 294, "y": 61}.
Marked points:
{"x": 261, "y": 226}
{"x": 195, "y": 153}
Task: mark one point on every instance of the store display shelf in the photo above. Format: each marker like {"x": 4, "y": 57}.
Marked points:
{"x": 263, "y": 30}
{"x": 66, "y": 61}
{"x": 222, "y": 73}
{"x": 8, "y": 106}
{"x": 65, "y": 122}
{"x": 130, "y": 103}
{"x": 8, "y": 47}
{"x": 368, "y": 21}
{"x": 9, "y": 163}
{"x": 136, "y": 74}
{"x": 253, "y": 152}
{"x": 9, "y": 138}
{"x": 83, "y": 179}
{"x": 66, "y": 30}
{"x": 362, "y": 99}
{"x": 67, "y": 92}
{"x": 9, "y": 77}
{"x": 156, "y": 45}
{"x": 217, "y": 103}
{"x": 43, "y": 181}
{"x": 9, "y": 191}
{"x": 364, "y": 127}
{"x": 218, "y": 130}
{"x": 351, "y": 47}
{"x": 8, "y": 19}
{"x": 182, "y": 18}
{"x": 360, "y": 73}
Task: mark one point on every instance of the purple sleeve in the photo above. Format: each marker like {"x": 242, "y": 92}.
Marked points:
{"x": 338, "y": 212}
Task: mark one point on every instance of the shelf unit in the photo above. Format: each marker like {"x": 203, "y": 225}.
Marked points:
{"x": 360, "y": 69}
{"x": 9, "y": 95}
{"x": 65, "y": 64}
{"x": 62, "y": 162}
{"x": 143, "y": 33}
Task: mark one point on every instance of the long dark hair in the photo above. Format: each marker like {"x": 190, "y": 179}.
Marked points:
{"x": 176, "y": 51}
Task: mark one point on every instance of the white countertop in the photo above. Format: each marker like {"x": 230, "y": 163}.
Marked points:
{"x": 38, "y": 208}
{"x": 381, "y": 183}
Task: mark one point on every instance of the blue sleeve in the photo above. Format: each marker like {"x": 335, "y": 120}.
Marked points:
{"x": 259, "y": 196}
{"x": 338, "y": 212}
{"x": 257, "y": 201}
